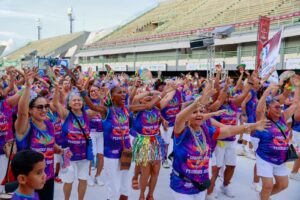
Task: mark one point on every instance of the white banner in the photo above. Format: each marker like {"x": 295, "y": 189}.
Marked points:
{"x": 118, "y": 67}
{"x": 293, "y": 63}
{"x": 192, "y": 66}
{"x": 155, "y": 67}
{"x": 270, "y": 53}
{"x": 250, "y": 64}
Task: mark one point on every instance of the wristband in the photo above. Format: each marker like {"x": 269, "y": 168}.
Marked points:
{"x": 83, "y": 93}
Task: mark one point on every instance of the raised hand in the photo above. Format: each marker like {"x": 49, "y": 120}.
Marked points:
{"x": 262, "y": 125}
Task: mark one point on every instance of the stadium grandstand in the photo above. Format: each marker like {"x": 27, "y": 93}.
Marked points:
{"x": 64, "y": 46}
{"x": 160, "y": 38}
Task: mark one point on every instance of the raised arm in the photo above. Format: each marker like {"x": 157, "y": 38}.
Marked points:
{"x": 21, "y": 123}
{"x": 288, "y": 113}
{"x": 149, "y": 105}
{"x": 61, "y": 110}
{"x": 261, "y": 106}
{"x": 221, "y": 98}
{"x": 240, "y": 98}
{"x": 184, "y": 115}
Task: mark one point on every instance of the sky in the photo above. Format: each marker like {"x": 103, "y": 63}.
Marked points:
{"x": 18, "y": 17}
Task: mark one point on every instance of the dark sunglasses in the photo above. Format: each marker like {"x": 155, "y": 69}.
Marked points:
{"x": 41, "y": 107}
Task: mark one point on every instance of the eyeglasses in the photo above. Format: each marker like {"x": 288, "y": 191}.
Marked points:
{"x": 42, "y": 107}
{"x": 278, "y": 107}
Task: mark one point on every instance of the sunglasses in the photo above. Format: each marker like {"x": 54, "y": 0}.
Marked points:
{"x": 42, "y": 107}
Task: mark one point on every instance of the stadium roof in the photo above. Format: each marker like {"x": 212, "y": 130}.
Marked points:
{"x": 181, "y": 18}
{"x": 48, "y": 46}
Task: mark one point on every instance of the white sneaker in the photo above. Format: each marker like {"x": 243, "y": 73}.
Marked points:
{"x": 99, "y": 181}
{"x": 227, "y": 191}
{"x": 91, "y": 181}
{"x": 256, "y": 187}
{"x": 166, "y": 164}
{"x": 211, "y": 197}
{"x": 295, "y": 176}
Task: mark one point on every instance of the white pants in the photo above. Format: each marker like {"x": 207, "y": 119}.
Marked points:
{"x": 98, "y": 142}
{"x": 267, "y": 169}
{"x": 254, "y": 142}
{"x": 166, "y": 135}
{"x": 117, "y": 182}
{"x": 296, "y": 138}
{"x": 78, "y": 168}
{"x": 179, "y": 196}
{"x": 225, "y": 155}
{"x": 3, "y": 167}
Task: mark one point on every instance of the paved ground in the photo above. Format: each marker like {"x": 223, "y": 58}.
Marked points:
{"x": 241, "y": 184}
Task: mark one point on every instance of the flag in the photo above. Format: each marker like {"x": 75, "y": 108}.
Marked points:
{"x": 270, "y": 53}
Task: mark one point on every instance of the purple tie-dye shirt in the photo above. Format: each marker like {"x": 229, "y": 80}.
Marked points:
{"x": 147, "y": 122}
{"x": 18, "y": 196}
{"x": 6, "y": 133}
{"x": 41, "y": 141}
{"x": 273, "y": 146}
{"x": 74, "y": 137}
{"x": 229, "y": 118}
{"x": 116, "y": 127}
{"x": 172, "y": 109}
{"x": 189, "y": 161}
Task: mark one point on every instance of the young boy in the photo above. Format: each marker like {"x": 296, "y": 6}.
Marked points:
{"x": 29, "y": 169}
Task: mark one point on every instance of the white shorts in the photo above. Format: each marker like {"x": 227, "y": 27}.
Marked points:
{"x": 179, "y": 196}
{"x": 267, "y": 169}
{"x": 226, "y": 155}
{"x": 296, "y": 138}
{"x": 246, "y": 137}
{"x": 254, "y": 142}
{"x": 57, "y": 158}
{"x": 98, "y": 142}
{"x": 3, "y": 168}
{"x": 213, "y": 160}
{"x": 166, "y": 135}
{"x": 117, "y": 182}
{"x": 79, "y": 169}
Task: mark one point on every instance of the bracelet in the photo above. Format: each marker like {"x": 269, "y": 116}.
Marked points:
{"x": 159, "y": 96}
{"x": 247, "y": 129}
{"x": 83, "y": 93}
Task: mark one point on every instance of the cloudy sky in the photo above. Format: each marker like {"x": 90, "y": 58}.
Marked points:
{"x": 18, "y": 17}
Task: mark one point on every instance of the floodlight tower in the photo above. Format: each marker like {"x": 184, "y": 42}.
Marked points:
{"x": 39, "y": 27}
{"x": 71, "y": 18}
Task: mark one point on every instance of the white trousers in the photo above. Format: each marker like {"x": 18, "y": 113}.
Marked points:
{"x": 117, "y": 182}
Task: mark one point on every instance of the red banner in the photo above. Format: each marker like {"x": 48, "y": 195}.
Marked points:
{"x": 262, "y": 37}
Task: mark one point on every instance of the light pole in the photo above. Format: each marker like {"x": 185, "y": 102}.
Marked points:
{"x": 39, "y": 27}
{"x": 71, "y": 19}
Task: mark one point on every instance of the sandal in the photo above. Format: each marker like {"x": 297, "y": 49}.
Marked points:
{"x": 149, "y": 197}
{"x": 135, "y": 184}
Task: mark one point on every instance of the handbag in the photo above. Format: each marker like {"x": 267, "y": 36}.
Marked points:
{"x": 88, "y": 140}
{"x": 8, "y": 147}
{"x": 291, "y": 154}
{"x": 200, "y": 186}
{"x": 126, "y": 155}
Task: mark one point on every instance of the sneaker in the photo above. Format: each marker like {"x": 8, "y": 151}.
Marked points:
{"x": 295, "y": 176}
{"x": 166, "y": 164}
{"x": 211, "y": 197}
{"x": 91, "y": 181}
{"x": 57, "y": 180}
{"x": 227, "y": 191}
{"x": 99, "y": 181}
{"x": 256, "y": 187}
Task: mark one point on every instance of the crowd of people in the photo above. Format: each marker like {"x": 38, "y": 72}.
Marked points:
{"x": 57, "y": 127}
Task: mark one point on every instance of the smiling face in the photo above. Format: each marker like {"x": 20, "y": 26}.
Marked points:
{"x": 196, "y": 118}
{"x": 38, "y": 109}
{"x": 118, "y": 96}
{"x": 75, "y": 102}
{"x": 274, "y": 110}
{"x": 94, "y": 92}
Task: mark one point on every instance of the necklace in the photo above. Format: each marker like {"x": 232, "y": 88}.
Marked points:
{"x": 201, "y": 144}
